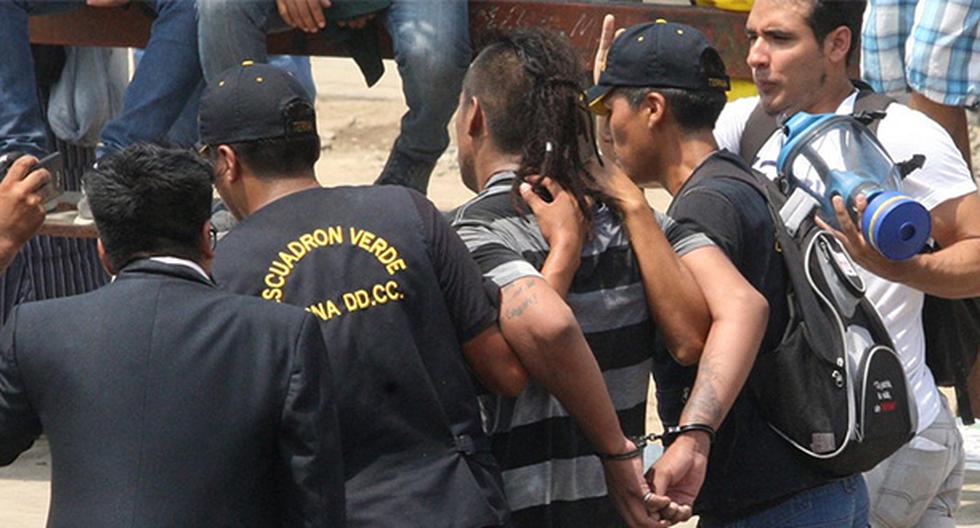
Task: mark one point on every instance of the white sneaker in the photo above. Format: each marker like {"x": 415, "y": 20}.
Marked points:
{"x": 84, "y": 216}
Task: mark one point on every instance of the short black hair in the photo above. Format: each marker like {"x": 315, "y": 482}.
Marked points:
{"x": 150, "y": 200}
{"x": 828, "y": 15}
{"x": 693, "y": 110}
{"x": 281, "y": 155}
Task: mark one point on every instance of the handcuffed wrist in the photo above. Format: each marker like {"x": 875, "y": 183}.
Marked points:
{"x": 677, "y": 430}
{"x": 611, "y": 457}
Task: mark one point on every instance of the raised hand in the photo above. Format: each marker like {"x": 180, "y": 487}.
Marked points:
{"x": 564, "y": 229}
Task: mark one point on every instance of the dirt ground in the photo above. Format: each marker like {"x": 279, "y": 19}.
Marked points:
{"x": 358, "y": 126}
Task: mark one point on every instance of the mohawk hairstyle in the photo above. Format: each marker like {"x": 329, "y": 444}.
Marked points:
{"x": 530, "y": 84}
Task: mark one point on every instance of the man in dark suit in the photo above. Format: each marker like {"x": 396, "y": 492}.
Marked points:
{"x": 167, "y": 402}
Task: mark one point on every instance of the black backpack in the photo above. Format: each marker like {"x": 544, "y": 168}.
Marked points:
{"x": 834, "y": 387}
{"x": 952, "y": 326}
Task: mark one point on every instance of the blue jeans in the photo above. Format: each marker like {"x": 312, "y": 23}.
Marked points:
{"x": 840, "y": 504}
{"x": 431, "y": 46}
{"x": 168, "y": 74}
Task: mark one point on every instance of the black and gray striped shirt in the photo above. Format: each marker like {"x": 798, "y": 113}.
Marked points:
{"x": 550, "y": 475}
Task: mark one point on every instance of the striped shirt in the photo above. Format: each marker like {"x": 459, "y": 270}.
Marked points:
{"x": 550, "y": 474}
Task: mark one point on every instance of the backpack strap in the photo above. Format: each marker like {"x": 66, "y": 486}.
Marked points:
{"x": 760, "y": 126}
{"x": 758, "y": 129}
{"x": 721, "y": 165}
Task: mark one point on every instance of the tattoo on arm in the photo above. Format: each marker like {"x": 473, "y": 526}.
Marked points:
{"x": 703, "y": 405}
{"x": 519, "y": 290}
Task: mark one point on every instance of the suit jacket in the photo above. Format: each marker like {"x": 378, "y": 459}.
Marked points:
{"x": 169, "y": 403}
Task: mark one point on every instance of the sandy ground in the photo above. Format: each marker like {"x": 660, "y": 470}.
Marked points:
{"x": 358, "y": 126}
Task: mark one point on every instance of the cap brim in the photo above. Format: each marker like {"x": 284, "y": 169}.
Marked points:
{"x": 595, "y": 97}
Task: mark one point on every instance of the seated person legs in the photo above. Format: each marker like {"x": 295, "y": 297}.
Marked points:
{"x": 431, "y": 45}
{"x": 432, "y": 48}
{"x": 168, "y": 75}
{"x": 22, "y": 126}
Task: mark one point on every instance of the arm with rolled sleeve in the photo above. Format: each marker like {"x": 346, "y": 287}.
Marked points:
{"x": 309, "y": 437}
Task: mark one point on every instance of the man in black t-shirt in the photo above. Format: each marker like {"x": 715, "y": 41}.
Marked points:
{"x": 400, "y": 303}
{"x": 660, "y": 93}
{"x": 403, "y": 307}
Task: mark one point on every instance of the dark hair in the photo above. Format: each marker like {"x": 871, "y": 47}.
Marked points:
{"x": 529, "y": 83}
{"x": 281, "y": 155}
{"x": 828, "y": 15}
{"x": 150, "y": 200}
{"x": 693, "y": 110}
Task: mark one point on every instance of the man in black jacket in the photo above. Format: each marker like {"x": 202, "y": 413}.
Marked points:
{"x": 167, "y": 402}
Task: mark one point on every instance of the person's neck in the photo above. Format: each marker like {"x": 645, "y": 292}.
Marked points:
{"x": 266, "y": 190}
{"x": 685, "y": 153}
{"x": 832, "y": 95}
{"x": 490, "y": 161}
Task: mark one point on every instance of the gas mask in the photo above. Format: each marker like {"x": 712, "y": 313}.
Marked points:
{"x": 827, "y": 155}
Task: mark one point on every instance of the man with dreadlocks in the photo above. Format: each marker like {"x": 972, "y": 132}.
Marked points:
{"x": 521, "y": 113}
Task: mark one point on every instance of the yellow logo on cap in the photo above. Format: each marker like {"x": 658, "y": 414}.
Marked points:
{"x": 248, "y": 63}
{"x": 661, "y": 21}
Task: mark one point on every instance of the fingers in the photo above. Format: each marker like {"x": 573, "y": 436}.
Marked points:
{"x": 285, "y": 13}
{"x": 826, "y": 227}
{"x": 675, "y": 513}
{"x": 535, "y": 202}
{"x": 654, "y": 502}
{"x": 842, "y": 217}
{"x": 34, "y": 201}
{"x": 658, "y": 480}
{"x": 35, "y": 180}
{"x": 684, "y": 513}
{"x": 605, "y": 42}
{"x": 316, "y": 14}
{"x": 18, "y": 170}
{"x": 325, "y": 3}
{"x": 551, "y": 185}
{"x": 303, "y": 14}
{"x": 311, "y": 15}
{"x": 860, "y": 204}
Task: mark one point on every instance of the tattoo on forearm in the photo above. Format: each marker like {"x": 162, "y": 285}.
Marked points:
{"x": 703, "y": 405}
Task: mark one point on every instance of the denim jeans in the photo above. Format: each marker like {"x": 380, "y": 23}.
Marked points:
{"x": 432, "y": 51}
{"x": 169, "y": 73}
{"x": 839, "y": 504}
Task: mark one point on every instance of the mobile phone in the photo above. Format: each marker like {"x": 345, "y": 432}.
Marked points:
{"x": 55, "y": 187}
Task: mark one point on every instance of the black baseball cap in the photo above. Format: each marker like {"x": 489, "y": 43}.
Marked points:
{"x": 660, "y": 54}
{"x": 254, "y": 101}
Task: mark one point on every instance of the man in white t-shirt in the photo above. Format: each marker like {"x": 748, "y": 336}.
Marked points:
{"x": 799, "y": 52}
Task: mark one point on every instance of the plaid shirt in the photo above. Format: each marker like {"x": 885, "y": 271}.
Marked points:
{"x": 932, "y": 46}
